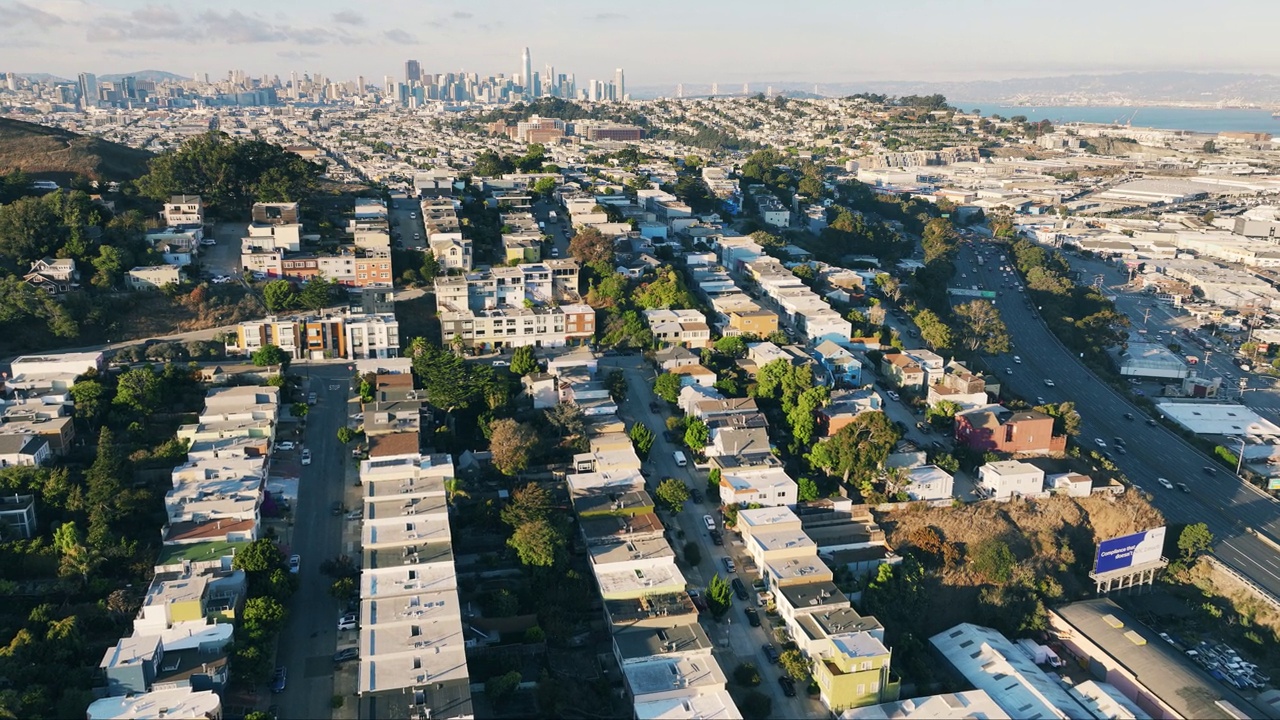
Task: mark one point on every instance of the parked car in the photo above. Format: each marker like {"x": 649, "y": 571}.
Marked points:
{"x": 295, "y": 563}
{"x": 655, "y": 407}
{"x": 893, "y": 395}
{"x": 286, "y": 446}
{"x": 356, "y": 514}
{"x": 753, "y": 617}
{"x": 346, "y": 655}
{"x": 788, "y": 685}
{"x": 717, "y": 537}
{"x": 695, "y": 495}
{"x": 501, "y": 363}
{"x": 279, "y": 679}
{"x": 729, "y": 567}
{"x": 771, "y": 652}
{"x": 306, "y": 457}
{"x": 740, "y": 589}
{"x": 312, "y": 398}
{"x": 347, "y": 622}
{"x": 709, "y": 521}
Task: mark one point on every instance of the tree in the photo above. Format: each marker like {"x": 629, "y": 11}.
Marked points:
{"x": 643, "y": 438}
{"x": 523, "y": 361}
{"x": 448, "y": 382}
{"x": 318, "y": 294}
{"x": 278, "y": 296}
{"x": 933, "y": 330}
{"x": 696, "y": 434}
{"x": 230, "y": 174}
{"x": 672, "y": 493}
{"x": 343, "y": 588}
{"x": 982, "y": 327}
{"x": 104, "y": 482}
{"x": 667, "y": 290}
{"x": 91, "y": 399}
{"x": 756, "y": 705}
{"x": 1066, "y": 420}
{"x": 263, "y": 616}
{"x": 692, "y": 554}
{"x": 746, "y": 675}
{"x": 859, "y": 448}
{"x": 139, "y": 389}
{"x": 713, "y": 482}
{"x": 591, "y": 247}
{"x": 807, "y": 490}
{"x": 993, "y": 560}
{"x": 499, "y": 687}
{"x": 795, "y": 664}
{"x": 667, "y": 386}
{"x": 346, "y": 435}
{"x": 511, "y": 443}
{"x": 261, "y": 555}
{"x": 538, "y": 543}
{"x": 719, "y": 595}
{"x": 531, "y": 503}
{"x": 733, "y": 346}
{"x": 269, "y": 356}
{"x": 1194, "y": 540}
{"x": 942, "y": 413}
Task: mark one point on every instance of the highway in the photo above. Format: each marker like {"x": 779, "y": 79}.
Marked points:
{"x": 735, "y": 640}
{"x": 1224, "y": 503}
{"x": 310, "y": 635}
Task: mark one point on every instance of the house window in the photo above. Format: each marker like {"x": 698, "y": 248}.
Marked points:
{"x": 862, "y": 689}
{"x": 875, "y": 686}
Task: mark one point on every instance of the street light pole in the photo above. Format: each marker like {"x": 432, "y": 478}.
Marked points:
{"x": 1240, "y": 460}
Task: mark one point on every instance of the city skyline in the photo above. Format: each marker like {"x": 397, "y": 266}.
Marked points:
{"x": 746, "y": 42}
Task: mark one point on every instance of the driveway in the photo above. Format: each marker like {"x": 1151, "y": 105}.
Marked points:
{"x": 224, "y": 258}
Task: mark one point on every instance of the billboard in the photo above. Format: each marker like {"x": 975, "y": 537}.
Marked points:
{"x": 1273, "y": 483}
{"x": 1125, "y": 552}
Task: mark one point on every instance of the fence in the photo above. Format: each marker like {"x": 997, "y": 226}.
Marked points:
{"x": 1253, "y": 587}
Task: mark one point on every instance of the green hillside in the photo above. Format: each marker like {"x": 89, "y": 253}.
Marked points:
{"x": 46, "y": 152}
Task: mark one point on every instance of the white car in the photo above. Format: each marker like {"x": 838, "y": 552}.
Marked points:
{"x": 501, "y": 363}
{"x": 1008, "y": 371}
{"x": 1165, "y": 483}
{"x": 295, "y": 563}
{"x": 347, "y": 622}
{"x": 1048, "y": 382}
{"x": 306, "y": 457}
{"x": 1100, "y": 442}
{"x": 709, "y": 521}
{"x": 208, "y": 241}
{"x": 1017, "y": 359}
{"x": 286, "y": 445}
{"x": 893, "y": 396}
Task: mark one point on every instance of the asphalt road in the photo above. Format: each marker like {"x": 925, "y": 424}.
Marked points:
{"x": 404, "y": 226}
{"x": 735, "y": 640}
{"x": 310, "y": 635}
{"x": 558, "y": 229}
{"x": 1224, "y": 503}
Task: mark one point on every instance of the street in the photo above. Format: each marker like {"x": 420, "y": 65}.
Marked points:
{"x": 736, "y": 641}
{"x": 406, "y": 223}
{"x": 1224, "y": 503}
{"x": 310, "y": 635}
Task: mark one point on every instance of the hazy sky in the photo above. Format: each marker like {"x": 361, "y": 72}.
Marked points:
{"x": 659, "y": 42}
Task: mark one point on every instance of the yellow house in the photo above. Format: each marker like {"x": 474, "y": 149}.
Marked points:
{"x": 761, "y": 323}
{"x": 855, "y": 673}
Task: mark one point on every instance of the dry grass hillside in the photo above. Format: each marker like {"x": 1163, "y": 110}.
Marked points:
{"x": 52, "y": 153}
{"x": 1051, "y": 544}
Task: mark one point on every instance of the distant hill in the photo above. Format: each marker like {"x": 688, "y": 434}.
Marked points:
{"x": 58, "y": 154}
{"x": 149, "y": 75}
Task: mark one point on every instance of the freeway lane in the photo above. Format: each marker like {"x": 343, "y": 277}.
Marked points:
{"x": 1222, "y": 502}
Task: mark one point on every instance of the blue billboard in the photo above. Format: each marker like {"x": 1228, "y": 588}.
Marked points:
{"x": 1129, "y": 551}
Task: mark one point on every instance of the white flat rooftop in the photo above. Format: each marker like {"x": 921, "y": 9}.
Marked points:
{"x": 418, "y": 607}
{"x": 181, "y": 702}
{"x": 430, "y": 665}
{"x": 1209, "y": 418}
{"x": 660, "y": 576}
{"x": 696, "y": 705}
{"x": 664, "y": 674}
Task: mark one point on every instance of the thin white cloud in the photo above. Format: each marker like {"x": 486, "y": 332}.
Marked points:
{"x": 400, "y": 37}
{"x": 16, "y": 14}
{"x": 347, "y": 17}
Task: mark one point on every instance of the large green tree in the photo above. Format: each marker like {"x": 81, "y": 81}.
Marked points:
{"x": 524, "y": 361}
{"x": 672, "y": 493}
{"x": 982, "y": 328}
{"x": 230, "y": 174}
{"x": 859, "y": 448}
{"x": 511, "y": 444}
{"x": 539, "y": 543}
{"x": 667, "y": 387}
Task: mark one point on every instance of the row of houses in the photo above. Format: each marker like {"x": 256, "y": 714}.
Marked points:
{"x": 412, "y": 644}
{"x": 176, "y": 656}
